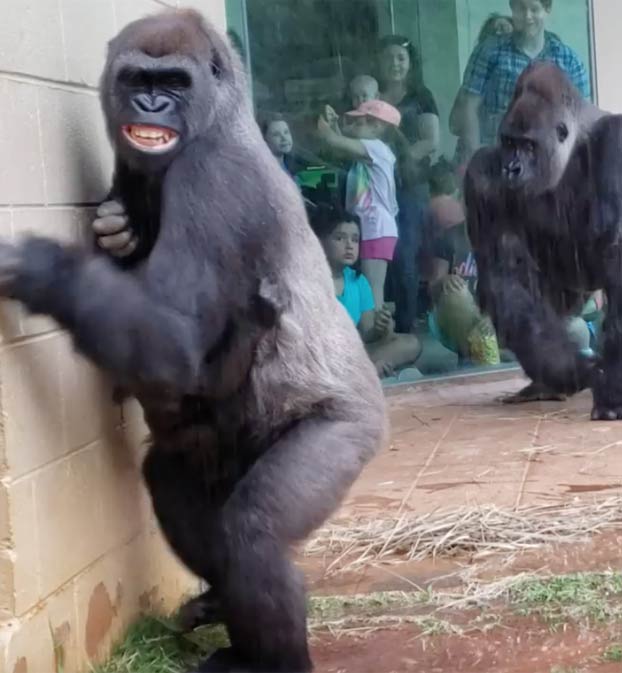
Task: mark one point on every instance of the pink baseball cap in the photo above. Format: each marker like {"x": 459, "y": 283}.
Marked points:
{"x": 378, "y": 109}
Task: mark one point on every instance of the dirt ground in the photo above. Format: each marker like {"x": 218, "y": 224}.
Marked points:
{"x": 518, "y": 646}
{"x": 453, "y": 444}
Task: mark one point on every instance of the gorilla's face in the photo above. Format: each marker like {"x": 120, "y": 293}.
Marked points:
{"x": 153, "y": 102}
{"x": 536, "y": 141}
{"x": 167, "y": 81}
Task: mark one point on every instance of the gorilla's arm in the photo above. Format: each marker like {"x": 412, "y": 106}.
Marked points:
{"x": 527, "y": 324}
{"x": 605, "y": 141}
{"x": 510, "y": 289}
{"x": 112, "y": 320}
{"x": 136, "y": 199}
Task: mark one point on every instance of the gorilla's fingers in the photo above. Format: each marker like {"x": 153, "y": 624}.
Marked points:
{"x": 115, "y": 243}
{"x": 110, "y": 208}
{"x": 110, "y": 224}
{"x": 128, "y": 249}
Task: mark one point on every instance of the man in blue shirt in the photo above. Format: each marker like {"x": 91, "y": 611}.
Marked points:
{"x": 495, "y": 66}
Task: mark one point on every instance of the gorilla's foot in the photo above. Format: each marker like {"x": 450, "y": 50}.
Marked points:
{"x": 200, "y": 611}
{"x": 226, "y": 661}
{"x": 607, "y": 394}
{"x": 535, "y": 392}
{"x": 222, "y": 661}
{"x": 604, "y": 413}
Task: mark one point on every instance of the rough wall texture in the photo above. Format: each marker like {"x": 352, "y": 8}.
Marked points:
{"x": 80, "y": 554}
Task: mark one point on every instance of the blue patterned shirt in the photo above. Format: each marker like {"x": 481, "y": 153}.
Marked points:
{"x": 495, "y": 66}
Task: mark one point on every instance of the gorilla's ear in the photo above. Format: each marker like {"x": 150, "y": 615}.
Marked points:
{"x": 562, "y": 132}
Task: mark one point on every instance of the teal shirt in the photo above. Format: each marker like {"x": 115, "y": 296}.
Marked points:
{"x": 357, "y": 296}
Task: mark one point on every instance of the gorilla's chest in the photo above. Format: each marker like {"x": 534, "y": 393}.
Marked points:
{"x": 196, "y": 423}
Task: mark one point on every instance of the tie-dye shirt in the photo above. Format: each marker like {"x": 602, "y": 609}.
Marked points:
{"x": 370, "y": 191}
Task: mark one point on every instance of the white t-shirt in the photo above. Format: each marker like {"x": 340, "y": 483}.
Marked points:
{"x": 370, "y": 191}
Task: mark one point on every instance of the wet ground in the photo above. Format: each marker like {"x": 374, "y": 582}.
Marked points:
{"x": 454, "y": 445}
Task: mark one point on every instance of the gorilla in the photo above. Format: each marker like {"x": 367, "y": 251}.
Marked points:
{"x": 262, "y": 404}
{"x": 544, "y": 215}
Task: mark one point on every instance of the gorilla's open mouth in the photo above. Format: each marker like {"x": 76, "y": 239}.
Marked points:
{"x": 154, "y": 139}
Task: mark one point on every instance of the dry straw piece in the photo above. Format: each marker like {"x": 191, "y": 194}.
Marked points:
{"x": 478, "y": 531}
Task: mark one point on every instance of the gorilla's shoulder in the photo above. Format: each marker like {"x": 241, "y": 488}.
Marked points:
{"x": 484, "y": 165}
{"x": 607, "y": 128}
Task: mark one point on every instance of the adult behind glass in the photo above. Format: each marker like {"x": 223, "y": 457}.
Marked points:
{"x": 400, "y": 76}
{"x": 495, "y": 66}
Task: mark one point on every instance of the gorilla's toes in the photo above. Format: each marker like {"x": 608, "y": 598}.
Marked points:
{"x": 200, "y": 611}
{"x": 604, "y": 413}
{"x": 535, "y": 392}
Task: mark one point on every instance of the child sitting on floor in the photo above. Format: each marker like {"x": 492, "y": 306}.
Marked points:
{"x": 339, "y": 233}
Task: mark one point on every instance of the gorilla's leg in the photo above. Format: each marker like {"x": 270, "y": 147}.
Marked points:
{"x": 608, "y": 385}
{"x": 536, "y": 334}
{"x": 241, "y": 548}
{"x": 535, "y": 392}
{"x": 288, "y": 492}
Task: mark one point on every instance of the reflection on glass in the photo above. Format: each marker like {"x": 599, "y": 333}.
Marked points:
{"x": 448, "y": 67}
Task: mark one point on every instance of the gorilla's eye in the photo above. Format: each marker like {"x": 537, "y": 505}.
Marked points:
{"x": 562, "y": 132}
{"x": 530, "y": 146}
{"x": 216, "y": 65}
{"x": 507, "y": 142}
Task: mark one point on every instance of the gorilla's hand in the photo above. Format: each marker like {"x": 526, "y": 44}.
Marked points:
{"x": 10, "y": 264}
{"x": 113, "y": 230}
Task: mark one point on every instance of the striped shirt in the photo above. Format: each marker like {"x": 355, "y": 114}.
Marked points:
{"x": 495, "y": 66}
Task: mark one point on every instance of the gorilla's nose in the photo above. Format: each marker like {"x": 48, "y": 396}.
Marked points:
{"x": 145, "y": 102}
{"x": 513, "y": 170}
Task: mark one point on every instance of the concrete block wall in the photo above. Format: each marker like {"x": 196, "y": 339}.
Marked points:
{"x": 80, "y": 553}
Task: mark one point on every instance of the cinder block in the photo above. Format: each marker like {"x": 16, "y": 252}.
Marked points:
{"x": 107, "y": 599}
{"x": 31, "y": 38}
{"x": 126, "y": 12}
{"x": 88, "y": 26}
{"x": 25, "y": 545}
{"x": 140, "y": 576}
{"x": 86, "y": 399}
{"x": 58, "y": 223}
{"x": 84, "y": 226}
{"x": 31, "y": 404}
{"x": 7, "y": 585}
{"x": 4, "y": 643}
{"x": 213, "y": 10}
{"x": 135, "y": 431}
{"x": 126, "y": 507}
{"x": 78, "y": 159}
{"x": 62, "y": 616}
{"x": 5, "y": 513}
{"x": 30, "y": 648}
{"x": 21, "y": 160}
{"x": 10, "y": 312}
{"x": 69, "y": 517}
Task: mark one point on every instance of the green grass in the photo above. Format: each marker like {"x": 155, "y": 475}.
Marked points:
{"x": 613, "y": 653}
{"x": 592, "y": 597}
{"x": 153, "y": 646}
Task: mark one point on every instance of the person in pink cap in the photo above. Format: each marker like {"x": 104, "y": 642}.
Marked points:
{"x": 370, "y": 188}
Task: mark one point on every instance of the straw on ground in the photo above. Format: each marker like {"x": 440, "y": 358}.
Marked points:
{"x": 479, "y": 531}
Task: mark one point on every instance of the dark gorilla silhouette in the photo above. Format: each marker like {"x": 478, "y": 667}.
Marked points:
{"x": 544, "y": 217}
{"x": 261, "y": 401}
